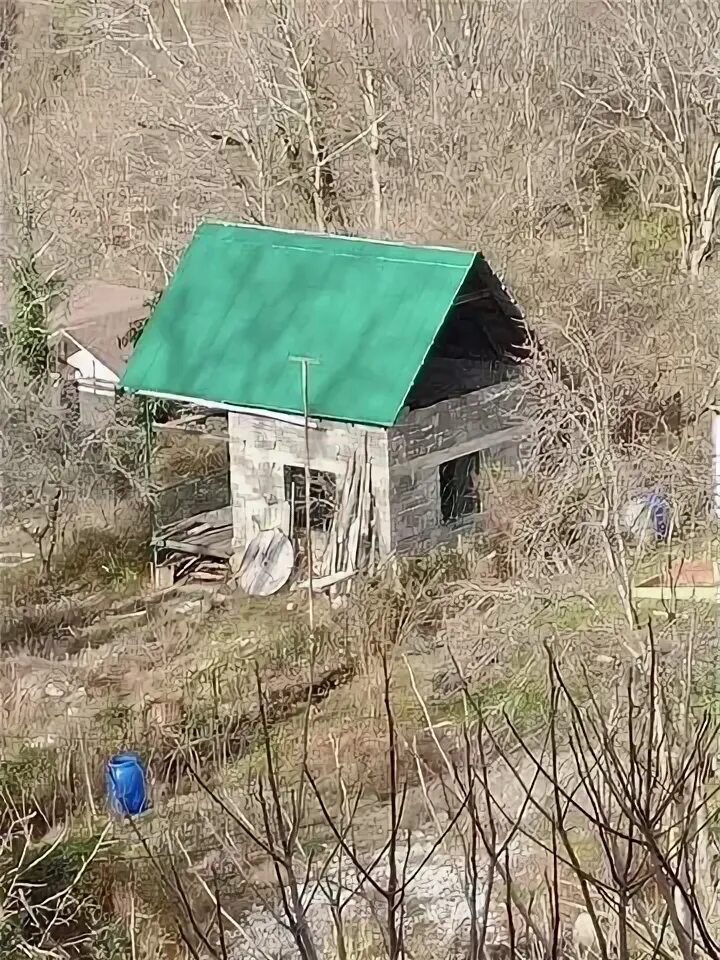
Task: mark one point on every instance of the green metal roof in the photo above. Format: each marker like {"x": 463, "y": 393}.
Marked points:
{"x": 245, "y": 299}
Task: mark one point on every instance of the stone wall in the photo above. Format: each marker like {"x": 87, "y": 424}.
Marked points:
{"x": 485, "y": 420}
{"x": 261, "y": 445}
{"x": 405, "y": 463}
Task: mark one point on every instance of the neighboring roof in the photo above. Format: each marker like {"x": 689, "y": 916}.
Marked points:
{"x": 98, "y": 316}
{"x": 246, "y": 299}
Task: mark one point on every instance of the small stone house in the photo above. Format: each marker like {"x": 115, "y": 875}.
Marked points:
{"x": 332, "y": 351}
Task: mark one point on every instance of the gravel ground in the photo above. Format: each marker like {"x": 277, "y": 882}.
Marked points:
{"x": 437, "y": 912}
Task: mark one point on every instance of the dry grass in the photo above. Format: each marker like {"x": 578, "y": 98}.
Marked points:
{"x": 178, "y": 457}
{"x": 179, "y": 683}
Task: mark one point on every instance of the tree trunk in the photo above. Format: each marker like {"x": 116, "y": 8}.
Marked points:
{"x": 703, "y": 234}
{"x": 373, "y": 146}
{"x": 7, "y": 247}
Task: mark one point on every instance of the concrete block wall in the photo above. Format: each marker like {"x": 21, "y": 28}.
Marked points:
{"x": 261, "y": 445}
{"x": 483, "y": 420}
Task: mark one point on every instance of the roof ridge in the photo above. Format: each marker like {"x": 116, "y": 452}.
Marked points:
{"x": 265, "y": 227}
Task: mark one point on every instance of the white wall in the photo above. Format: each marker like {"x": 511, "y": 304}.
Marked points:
{"x": 261, "y": 445}
{"x": 92, "y": 375}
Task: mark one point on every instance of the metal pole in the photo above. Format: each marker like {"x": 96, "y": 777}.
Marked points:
{"x": 147, "y": 457}
{"x": 308, "y": 526}
{"x": 304, "y": 362}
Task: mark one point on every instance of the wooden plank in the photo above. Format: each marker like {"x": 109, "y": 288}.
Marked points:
{"x": 180, "y": 546}
{"x": 324, "y": 583}
{"x": 704, "y": 593}
{"x": 339, "y": 514}
{"x": 185, "y": 566}
{"x": 355, "y": 512}
{"x": 183, "y": 525}
{"x": 353, "y": 539}
{"x": 291, "y": 530}
{"x": 210, "y": 535}
{"x": 361, "y": 556}
{"x": 198, "y": 550}
{"x": 345, "y": 516}
{"x": 201, "y": 528}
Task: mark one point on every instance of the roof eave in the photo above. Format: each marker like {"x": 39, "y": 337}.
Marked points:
{"x": 287, "y": 416}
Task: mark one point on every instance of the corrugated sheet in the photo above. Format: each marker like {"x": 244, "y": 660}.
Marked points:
{"x": 246, "y": 299}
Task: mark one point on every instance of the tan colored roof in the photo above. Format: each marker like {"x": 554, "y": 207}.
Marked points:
{"x": 98, "y": 315}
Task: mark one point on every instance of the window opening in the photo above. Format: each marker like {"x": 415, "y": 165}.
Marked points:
{"x": 323, "y": 494}
{"x": 459, "y": 488}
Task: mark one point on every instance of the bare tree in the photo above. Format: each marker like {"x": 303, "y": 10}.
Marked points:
{"x": 44, "y": 890}
{"x": 39, "y": 462}
{"x": 656, "y": 90}
{"x": 50, "y": 462}
{"x": 8, "y": 27}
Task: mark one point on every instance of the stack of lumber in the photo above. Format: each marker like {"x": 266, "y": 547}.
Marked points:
{"x": 207, "y": 534}
{"x": 193, "y": 567}
{"x": 350, "y": 535}
{"x": 192, "y": 527}
{"x": 351, "y": 541}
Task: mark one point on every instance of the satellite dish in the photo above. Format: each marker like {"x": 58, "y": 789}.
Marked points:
{"x": 266, "y": 564}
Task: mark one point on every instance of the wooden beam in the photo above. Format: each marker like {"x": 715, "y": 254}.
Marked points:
{"x": 436, "y": 457}
{"x": 197, "y": 550}
{"x": 191, "y": 432}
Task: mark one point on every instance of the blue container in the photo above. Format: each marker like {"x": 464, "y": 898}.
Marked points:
{"x": 659, "y": 510}
{"x": 126, "y": 785}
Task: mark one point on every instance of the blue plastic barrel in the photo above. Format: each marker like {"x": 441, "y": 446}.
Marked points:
{"x": 126, "y": 785}
{"x": 659, "y": 509}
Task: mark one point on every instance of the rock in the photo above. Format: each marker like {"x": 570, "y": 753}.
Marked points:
{"x": 53, "y": 689}
{"x": 189, "y": 607}
{"x": 583, "y": 932}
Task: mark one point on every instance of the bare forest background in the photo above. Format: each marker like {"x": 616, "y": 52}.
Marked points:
{"x": 576, "y": 144}
{"x": 496, "y": 752}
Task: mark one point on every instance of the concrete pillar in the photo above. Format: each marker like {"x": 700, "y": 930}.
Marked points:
{"x": 380, "y": 479}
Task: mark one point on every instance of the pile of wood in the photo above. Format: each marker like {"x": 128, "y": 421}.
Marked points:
{"x": 182, "y": 567}
{"x": 352, "y": 543}
{"x": 196, "y": 548}
{"x": 351, "y": 540}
